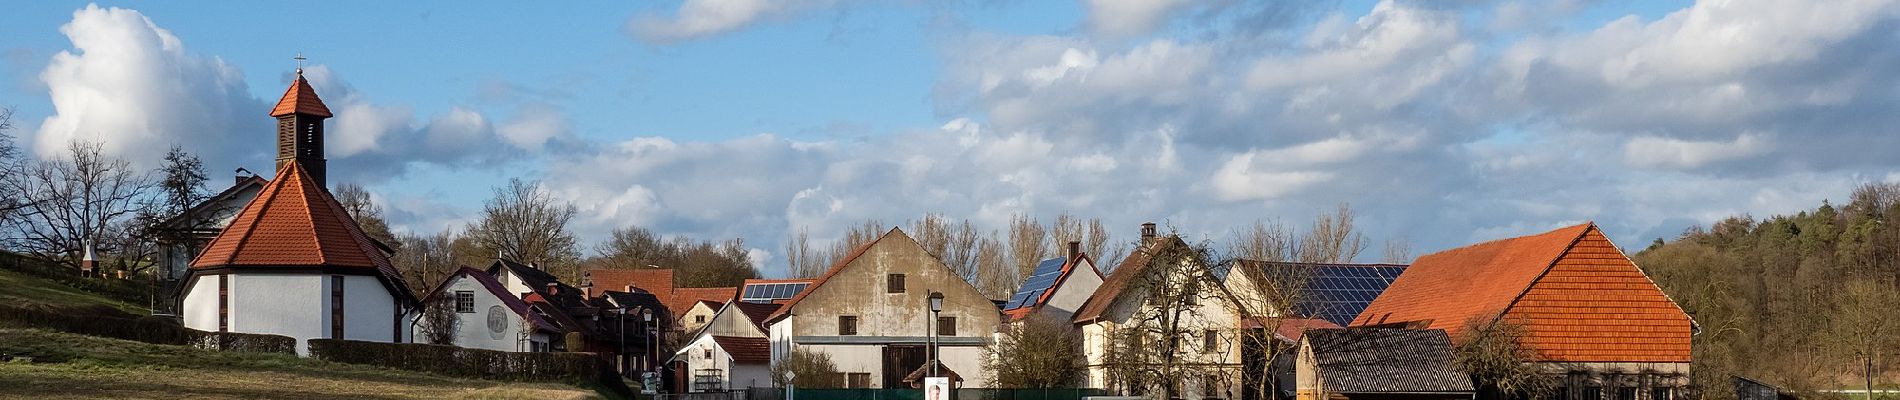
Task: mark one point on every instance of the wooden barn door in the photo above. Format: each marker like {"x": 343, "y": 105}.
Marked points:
{"x": 900, "y": 361}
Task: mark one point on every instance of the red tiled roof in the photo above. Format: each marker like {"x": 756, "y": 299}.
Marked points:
{"x": 1478, "y": 281}
{"x": 1578, "y": 298}
{"x": 746, "y": 350}
{"x": 757, "y": 312}
{"x": 787, "y": 309}
{"x": 294, "y": 222}
{"x": 300, "y": 99}
{"x": 658, "y": 281}
{"x": 683, "y": 299}
{"x": 1117, "y": 280}
{"x": 1291, "y": 329}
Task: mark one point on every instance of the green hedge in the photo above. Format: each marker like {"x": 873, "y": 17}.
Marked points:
{"x": 587, "y": 369}
{"x": 112, "y": 323}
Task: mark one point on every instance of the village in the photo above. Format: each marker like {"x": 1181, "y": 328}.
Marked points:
{"x": 947, "y": 200}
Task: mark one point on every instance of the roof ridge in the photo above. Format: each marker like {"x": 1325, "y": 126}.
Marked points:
{"x": 267, "y": 200}
{"x": 1587, "y": 227}
{"x": 835, "y": 267}
{"x": 309, "y": 216}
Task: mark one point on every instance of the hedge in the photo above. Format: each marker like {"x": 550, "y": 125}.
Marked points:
{"x": 587, "y": 369}
{"x": 108, "y": 322}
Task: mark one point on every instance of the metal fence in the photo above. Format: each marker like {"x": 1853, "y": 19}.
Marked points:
{"x": 895, "y": 394}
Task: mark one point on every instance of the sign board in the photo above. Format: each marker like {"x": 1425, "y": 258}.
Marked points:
{"x": 649, "y": 382}
{"x": 937, "y": 388}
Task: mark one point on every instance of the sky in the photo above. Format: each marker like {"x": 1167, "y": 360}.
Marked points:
{"x": 1442, "y": 123}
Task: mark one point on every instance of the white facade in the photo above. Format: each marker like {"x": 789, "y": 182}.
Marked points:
{"x": 709, "y": 367}
{"x": 490, "y": 323}
{"x": 297, "y": 305}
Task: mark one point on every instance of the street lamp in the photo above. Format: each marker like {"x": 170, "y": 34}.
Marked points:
{"x": 646, "y": 314}
{"x": 622, "y": 350}
{"x": 936, "y": 306}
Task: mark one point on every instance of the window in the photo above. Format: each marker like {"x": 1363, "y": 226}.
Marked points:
{"x": 336, "y": 306}
{"x": 224, "y": 303}
{"x": 946, "y": 326}
{"x": 857, "y": 380}
{"x": 1592, "y": 393}
{"x": 699, "y": 319}
{"x": 1210, "y": 341}
{"x": 894, "y": 283}
{"x": 465, "y": 301}
{"x": 708, "y": 353}
{"x": 1660, "y": 393}
{"x": 1626, "y": 393}
{"x": 1210, "y": 387}
{"x": 848, "y": 326}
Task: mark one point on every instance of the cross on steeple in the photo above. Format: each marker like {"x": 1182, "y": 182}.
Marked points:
{"x": 299, "y": 59}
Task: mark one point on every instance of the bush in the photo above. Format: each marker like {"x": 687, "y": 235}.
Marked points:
{"x": 112, "y": 323}
{"x": 586, "y": 369}
{"x": 807, "y": 370}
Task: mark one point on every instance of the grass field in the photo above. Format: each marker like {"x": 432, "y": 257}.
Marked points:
{"x": 17, "y": 288}
{"x": 71, "y": 366}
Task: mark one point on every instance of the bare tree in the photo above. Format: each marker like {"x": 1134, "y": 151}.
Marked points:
{"x": 439, "y": 321}
{"x": 1043, "y": 351}
{"x": 1028, "y": 244}
{"x": 357, "y": 202}
{"x": 953, "y": 242}
{"x": 1868, "y": 326}
{"x": 800, "y": 260}
{"x": 1165, "y": 341}
{"x": 1333, "y": 238}
{"x": 1498, "y": 361}
{"x": 855, "y": 236}
{"x": 807, "y": 370}
{"x": 994, "y": 276}
{"x": 695, "y": 263}
{"x": 1263, "y": 241}
{"x": 525, "y": 223}
{"x": 86, "y": 198}
{"x": 1398, "y": 250}
{"x": 10, "y": 201}
{"x": 1095, "y": 237}
{"x": 425, "y": 261}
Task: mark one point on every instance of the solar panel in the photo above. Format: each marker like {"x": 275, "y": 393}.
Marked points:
{"x": 1338, "y": 293}
{"x": 1039, "y": 281}
{"x": 769, "y": 292}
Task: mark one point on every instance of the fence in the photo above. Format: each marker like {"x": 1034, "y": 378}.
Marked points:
{"x": 909, "y": 394}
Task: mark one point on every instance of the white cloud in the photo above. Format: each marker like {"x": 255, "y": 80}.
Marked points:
{"x": 1650, "y": 151}
{"x": 133, "y": 87}
{"x": 702, "y": 18}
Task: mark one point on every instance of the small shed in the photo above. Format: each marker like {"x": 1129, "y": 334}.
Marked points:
{"x": 1379, "y": 363}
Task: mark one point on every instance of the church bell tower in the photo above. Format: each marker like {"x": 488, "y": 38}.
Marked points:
{"x": 300, "y": 116}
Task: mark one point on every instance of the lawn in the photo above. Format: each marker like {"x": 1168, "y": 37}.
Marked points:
{"x": 75, "y": 366}
{"x": 17, "y": 287}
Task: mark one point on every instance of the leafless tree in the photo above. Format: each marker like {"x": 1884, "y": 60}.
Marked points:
{"x": 953, "y": 242}
{"x": 805, "y": 369}
{"x": 525, "y": 223}
{"x": 1868, "y": 326}
{"x": 995, "y": 277}
{"x": 801, "y": 261}
{"x": 425, "y": 261}
{"x": 439, "y": 321}
{"x": 357, "y": 202}
{"x": 1332, "y": 238}
{"x": 1095, "y": 238}
{"x": 1499, "y": 363}
{"x": 855, "y": 236}
{"x": 1163, "y": 344}
{"x": 10, "y": 201}
{"x": 1398, "y": 250}
{"x": 1028, "y": 244}
{"x": 85, "y": 197}
{"x": 1263, "y": 241}
{"x": 695, "y": 263}
{"x": 1043, "y": 351}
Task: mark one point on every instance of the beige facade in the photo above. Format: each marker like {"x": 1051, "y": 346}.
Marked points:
{"x": 1207, "y": 328}
{"x": 697, "y": 316}
{"x": 871, "y": 314}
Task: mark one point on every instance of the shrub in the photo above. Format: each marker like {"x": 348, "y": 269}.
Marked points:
{"x": 807, "y": 370}
{"x": 112, "y": 323}
{"x": 586, "y": 369}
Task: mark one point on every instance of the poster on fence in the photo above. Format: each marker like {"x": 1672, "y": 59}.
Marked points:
{"x": 650, "y": 383}
{"x": 937, "y": 388}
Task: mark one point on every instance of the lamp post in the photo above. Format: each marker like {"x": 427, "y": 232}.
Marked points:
{"x": 622, "y": 349}
{"x": 647, "y": 316}
{"x": 936, "y": 307}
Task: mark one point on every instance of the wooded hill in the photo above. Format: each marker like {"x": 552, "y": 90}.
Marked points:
{"x": 1807, "y": 301}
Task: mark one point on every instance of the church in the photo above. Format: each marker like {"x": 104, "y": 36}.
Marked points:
{"x": 293, "y": 262}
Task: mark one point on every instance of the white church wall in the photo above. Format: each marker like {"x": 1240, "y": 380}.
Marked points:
{"x": 369, "y": 312}
{"x": 294, "y": 305}
{"x": 201, "y": 304}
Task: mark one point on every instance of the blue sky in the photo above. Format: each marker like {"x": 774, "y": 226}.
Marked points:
{"x": 1442, "y": 122}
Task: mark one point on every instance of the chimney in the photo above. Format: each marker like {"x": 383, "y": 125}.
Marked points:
{"x": 87, "y": 263}
{"x": 630, "y": 289}
{"x": 1075, "y": 249}
{"x": 1147, "y": 231}
{"x": 240, "y": 175}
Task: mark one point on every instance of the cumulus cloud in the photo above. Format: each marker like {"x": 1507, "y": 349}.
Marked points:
{"x": 1649, "y": 151}
{"x": 702, "y": 18}
{"x": 133, "y": 87}
{"x": 1131, "y": 17}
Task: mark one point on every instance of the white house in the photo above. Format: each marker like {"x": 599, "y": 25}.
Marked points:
{"x": 487, "y": 316}
{"x": 1192, "y": 304}
{"x": 731, "y": 350}
{"x": 871, "y": 314}
{"x": 1056, "y": 288}
{"x": 293, "y": 262}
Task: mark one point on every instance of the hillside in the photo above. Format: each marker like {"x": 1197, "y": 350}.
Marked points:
{"x": 17, "y": 288}
{"x": 77, "y": 366}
